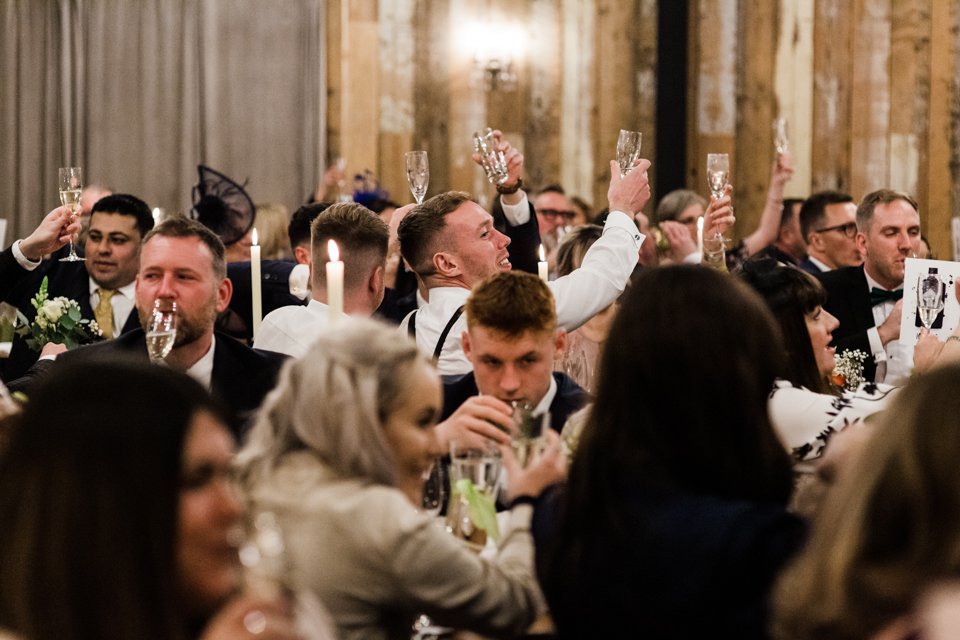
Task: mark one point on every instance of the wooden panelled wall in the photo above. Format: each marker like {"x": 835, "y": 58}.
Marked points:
{"x": 870, "y": 89}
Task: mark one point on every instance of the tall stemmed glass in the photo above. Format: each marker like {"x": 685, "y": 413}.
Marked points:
{"x": 930, "y": 298}
{"x": 718, "y": 169}
{"x": 71, "y": 184}
{"x": 418, "y": 173}
{"x": 628, "y": 150}
{"x": 780, "y": 140}
{"x": 161, "y": 329}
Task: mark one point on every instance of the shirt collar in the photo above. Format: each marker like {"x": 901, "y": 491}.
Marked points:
{"x": 202, "y": 369}
{"x": 544, "y": 405}
{"x": 127, "y": 291}
{"x": 820, "y": 265}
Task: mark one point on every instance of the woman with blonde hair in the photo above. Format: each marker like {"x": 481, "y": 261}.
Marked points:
{"x": 339, "y": 453}
{"x": 889, "y": 530}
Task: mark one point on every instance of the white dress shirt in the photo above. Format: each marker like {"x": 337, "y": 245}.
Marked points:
{"x": 579, "y": 296}
{"x": 898, "y": 360}
{"x": 202, "y": 369}
{"x": 292, "y": 329}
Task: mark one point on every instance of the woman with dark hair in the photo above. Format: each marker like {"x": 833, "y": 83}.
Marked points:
{"x": 116, "y": 509}
{"x": 673, "y": 521}
{"x": 888, "y": 531}
{"x": 806, "y": 408}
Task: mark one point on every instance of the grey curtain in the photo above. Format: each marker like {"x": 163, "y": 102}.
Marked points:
{"x": 138, "y": 92}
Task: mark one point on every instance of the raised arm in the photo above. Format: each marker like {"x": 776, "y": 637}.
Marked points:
{"x": 768, "y": 229}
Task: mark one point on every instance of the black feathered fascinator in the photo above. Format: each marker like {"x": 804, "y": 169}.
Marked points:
{"x": 222, "y": 205}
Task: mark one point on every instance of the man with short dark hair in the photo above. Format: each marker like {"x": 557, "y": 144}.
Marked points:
{"x": 789, "y": 247}
{"x": 102, "y": 284}
{"x": 512, "y": 346}
{"x": 450, "y": 242}
{"x": 182, "y": 262}
{"x": 554, "y": 213}
{"x": 867, "y": 299}
{"x": 828, "y": 224}
{"x": 361, "y": 238}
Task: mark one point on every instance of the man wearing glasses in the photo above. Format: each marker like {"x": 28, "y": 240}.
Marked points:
{"x": 828, "y": 222}
{"x": 554, "y": 213}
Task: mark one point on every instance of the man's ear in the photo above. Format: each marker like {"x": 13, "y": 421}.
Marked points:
{"x": 224, "y": 293}
{"x": 560, "y": 341}
{"x": 465, "y": 343}
{"x": 446, "y": 264}
{"x": 302, "y": 255}
{"x": 862, "y": 244}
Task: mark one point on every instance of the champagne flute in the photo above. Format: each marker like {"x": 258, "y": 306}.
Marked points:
{"x": 628, "y": 150}
{"x": 930, "y": 298}
{"x": 71, "y": 184}
{"x": 780, "y": 140}
{"x": 418, "y": 173}
{"x": 491, "y": 159}
{"x": 162, "y": 329}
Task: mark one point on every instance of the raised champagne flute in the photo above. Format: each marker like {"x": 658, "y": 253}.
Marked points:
{"x": 628, "y": 150}
{"x": 418, "y": 173}
{"x": 162, "y": 329}
{"x": 71, "y": 184}
{"x": 930, "y": 298}
{"x": 780, "y": 140}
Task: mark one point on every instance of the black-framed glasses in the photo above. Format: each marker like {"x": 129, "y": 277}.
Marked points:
{"x": 554, "y": 213}
{"x": 849, "y": 229}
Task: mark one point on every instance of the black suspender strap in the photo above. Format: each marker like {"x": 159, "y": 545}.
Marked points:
{"x": 446, "y": 332}
{"x": 412, "y": 325}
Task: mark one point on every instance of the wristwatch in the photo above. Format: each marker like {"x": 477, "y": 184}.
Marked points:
{"x": 505, "y": 191}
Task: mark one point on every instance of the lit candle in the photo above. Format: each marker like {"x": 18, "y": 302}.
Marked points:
{"x": 334, "y": 282}
{"x": 255, "y": 284}
{"x": 700, "y": 235}
{"x": 542, "y": 266}
{"x": 157, "y": 214}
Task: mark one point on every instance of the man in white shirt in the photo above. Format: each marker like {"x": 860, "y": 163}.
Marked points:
{"x": 450, "y": 243}
{"x": 361, "y": 238}
{"x": 867, "y": 300}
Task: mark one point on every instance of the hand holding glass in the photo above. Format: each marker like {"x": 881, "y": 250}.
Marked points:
{"x": 628, "y": 150}
{"x": 70, "y": 186}
{"x": 491, "y": 158}
{"x": 161, "y": 330}
{"x": 418, "y": 173}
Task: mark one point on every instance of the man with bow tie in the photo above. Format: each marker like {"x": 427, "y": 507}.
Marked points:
{"x": 867, "y": 300}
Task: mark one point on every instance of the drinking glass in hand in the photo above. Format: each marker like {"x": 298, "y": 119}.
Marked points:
{"x": 528, "y": 441}
{"x": 418, "y": 173}
{"x": 491, "y": 159}
{"x": 628, "y": 150}
{"x": 930, "y": 298}
{"x": 481, "y": 468}
{"x": 161, "y": 330}
{"x": 71, "y": 184}
{"x": 780, "y": 141}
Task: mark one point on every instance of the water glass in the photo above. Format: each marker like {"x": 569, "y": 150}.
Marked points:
{"x": 628, "y": 150}
{"x": 492, "y": 160}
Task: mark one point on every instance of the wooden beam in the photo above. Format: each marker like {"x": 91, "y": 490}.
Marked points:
{"x": 578, "y": 164}
{"x": 793, "y": 86}
{"x": 870, "y": 98}
{"x": 397, "y": 65}
{"x": 832, "y": 64}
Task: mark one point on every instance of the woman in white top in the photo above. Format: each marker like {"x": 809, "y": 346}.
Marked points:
{"x": 805, "y": 406}
{"x": 338, "y": 454}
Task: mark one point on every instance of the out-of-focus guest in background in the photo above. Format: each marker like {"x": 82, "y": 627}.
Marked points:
{"x": 118, "y": 510}
{"x": 828, "y": 223}
{"x": 555, "y": 214}
{"x": 583, "y": 212}
{"x": 789, "y": 247}
{"x": 271, "y": 221}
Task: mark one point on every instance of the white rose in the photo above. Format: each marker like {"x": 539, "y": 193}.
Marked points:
{"x": 52, "y": 309}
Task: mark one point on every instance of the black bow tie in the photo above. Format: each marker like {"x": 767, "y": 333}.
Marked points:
{"x": 879, "y": 296}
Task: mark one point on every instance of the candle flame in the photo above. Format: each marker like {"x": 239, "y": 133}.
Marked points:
{"x": 543, "y": 256}
{"x": 333, "y": 251}
{"x": 253, "y": 237}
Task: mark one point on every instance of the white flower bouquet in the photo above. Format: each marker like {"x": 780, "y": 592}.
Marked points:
{"x": 848, "y": 370}
{"x": 57, "y": 320}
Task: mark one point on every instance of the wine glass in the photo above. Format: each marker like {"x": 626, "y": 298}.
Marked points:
{"x": 491, "y": 159}
{"x": 71, "y": 184}
{"x": 161, "y": 329}
{"x": 628, "y": 150}
{"x": 418, "y": 173}
{"x": 930, "y": 298}
{"x": 780, "y": 140}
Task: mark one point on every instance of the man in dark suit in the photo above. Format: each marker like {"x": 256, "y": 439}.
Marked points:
{"x": 828, "y": 223}
{"x": 512, "y": 340}
{"x": 181, "y": 262}
{"x": 867, "y": 299}
{"x": 789, "y": 247}
{"x": 102, "y": 284}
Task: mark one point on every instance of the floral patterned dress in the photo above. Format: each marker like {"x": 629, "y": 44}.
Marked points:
{"x": 805, "y": 420}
